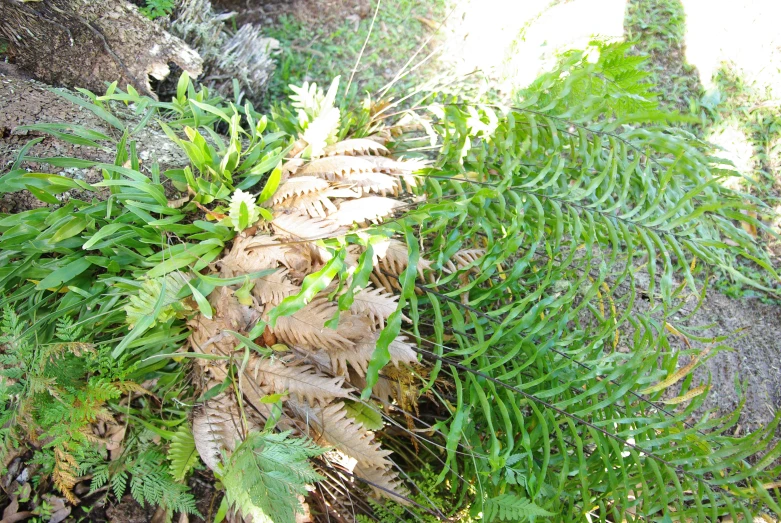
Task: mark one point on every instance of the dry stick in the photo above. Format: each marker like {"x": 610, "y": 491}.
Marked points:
{"x": 360, "y": 55}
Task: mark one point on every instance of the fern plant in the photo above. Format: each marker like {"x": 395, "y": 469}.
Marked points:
{"x": 266, "y": 476}
{"x": 503, "y": 311}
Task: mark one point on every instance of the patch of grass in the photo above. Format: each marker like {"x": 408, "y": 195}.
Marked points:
{"x": 318, "y": 53}
{"x": 657, "y": 30}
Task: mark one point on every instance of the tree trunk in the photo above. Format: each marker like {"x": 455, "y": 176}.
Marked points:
{"x": 83, "y": 43}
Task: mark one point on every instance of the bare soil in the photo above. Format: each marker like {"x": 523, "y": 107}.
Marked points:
{"x": 755, "y": 360}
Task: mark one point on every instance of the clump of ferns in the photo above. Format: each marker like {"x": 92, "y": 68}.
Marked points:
{"x": 298, "y": 338}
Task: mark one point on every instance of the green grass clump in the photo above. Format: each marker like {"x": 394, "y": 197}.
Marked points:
{"x": 317, "y": 53}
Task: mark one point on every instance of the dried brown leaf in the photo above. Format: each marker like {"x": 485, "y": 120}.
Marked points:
{"x": 297, "y": 186}
{"x": 379, "y": 183}
{"x": 274, "y": 288}
{"x": 367, "y": 209}
{"x": 331, "y": 425}
{"x": 253, "y": 253}
{"x": 355, "y": 147}
{"x": 306, "y": 327}
{"x": 336, "y": 167}
{"x": 302, "y": 381}
{"x": 376, "y": 304}
{"x": 217, "y": 427}
{"x": 300, "y": 227}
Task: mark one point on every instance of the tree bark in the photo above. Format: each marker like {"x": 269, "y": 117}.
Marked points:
{"x": 83, "y": 43}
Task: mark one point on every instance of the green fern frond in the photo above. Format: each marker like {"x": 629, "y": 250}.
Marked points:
{"x": 182, "y": 454}
{"x": 151, "y": 483}
{"x": 511, "y": 507}
{"x": 151, "y": 294}
{"x": 267, "y": 473}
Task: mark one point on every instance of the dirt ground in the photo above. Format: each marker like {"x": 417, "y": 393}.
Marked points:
{"x": 756, "y": 358}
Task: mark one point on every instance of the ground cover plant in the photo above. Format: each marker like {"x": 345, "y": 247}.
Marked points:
{"x": 657, "y": 31}
{"x": 463, "y": 312}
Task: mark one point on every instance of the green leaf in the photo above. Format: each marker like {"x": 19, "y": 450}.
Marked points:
{"x": 181, "y": 87}
{"x": 42, "y": 195}
{"x": 54, "y": 130}
{"x": 74, "y": 226}
{"x": 273, "y": 398}
{"x": 370, "y": 418}
{"x": 96, "y": 109}
{"x": 182, "y": 454}
{"x": 511, "y": 507}
{"x": 312, "y": 284}
{"x": 246, "y": 342}
{"x": 64, "y": 274}
{"x": 272, "y": 184}
{"x": 266, "y": 473}
{"x": 210, "y": 109}
{"x": 203, "y": 303}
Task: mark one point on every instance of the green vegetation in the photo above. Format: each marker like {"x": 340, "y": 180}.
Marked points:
{"x": 157, "y": 8}
{"x": 485, "y": 331}
{"x": 657, "y": 30}
{"x": 319, "y": 52}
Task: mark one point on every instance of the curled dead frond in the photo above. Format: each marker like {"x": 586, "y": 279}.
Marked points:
{"x": 316, "y": 204}
{"x": 383, "y": 482}
{"x": 463, "y": 259}
{"x": 377, "y": 304}
{"x": 332, "y": 426}
{"x": 217, "y": 427}
{"x": 358, "y": 356}
{"x": 300, "y": 227}
{"x": 298, "y": 186}
{"x": 371, "y": 182}
{"x": 251, "y": 254}
{"x": 393, "y": 256}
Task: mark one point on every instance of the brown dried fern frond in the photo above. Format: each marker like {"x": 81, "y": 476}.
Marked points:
{"x": 367, "y": 209}
{"x": 378, "y": 183}
{"x": 355, "y": 147}
{"x": 316, "y": 204}
{"x": 463, "y": 259}
{"x": 217, "y": 427}
{"x": 274, "y": 288}
{"x": 393, "y": 256}
{"x": 384, "y": 482}
{"x": 377, "y": 304}
{"x": 64, "y": 473}
{"x": 301, "y": 381}
{"x": 253, "y": 253}
{"x": 300, "y": 227}
{"x": 336, "y": 167}
{"x": 306, "y": 327}
{"x": 358, "y": 357}
{"x": 332, "y": 426}
{"x": 298, "y": 186}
